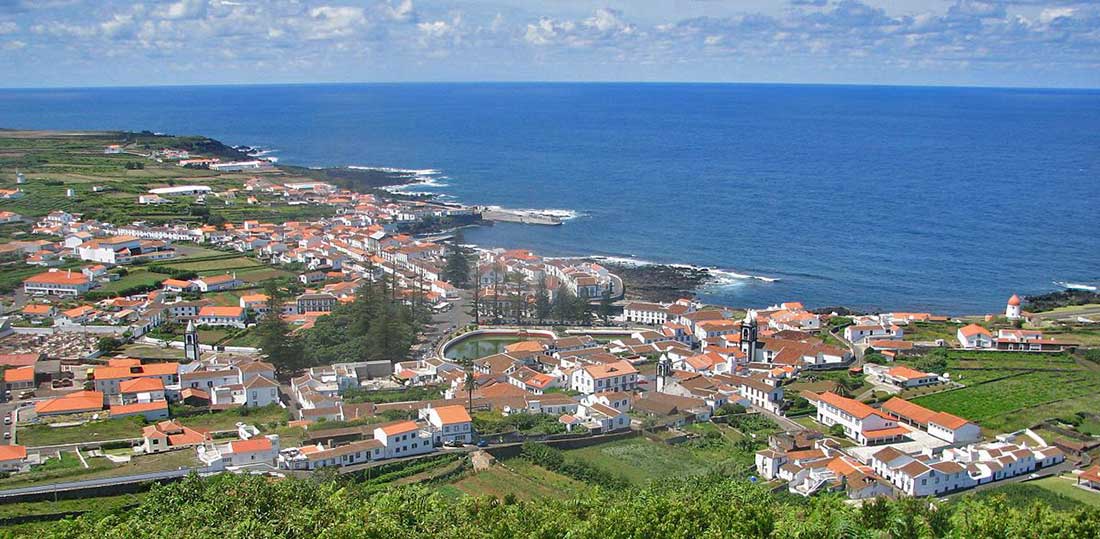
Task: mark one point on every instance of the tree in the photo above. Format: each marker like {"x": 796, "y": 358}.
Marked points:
{"x": 542, "y": 301}
{"x": 475, "y": 306}
{"x": 283, "y": 349}
{"x": 564, "y": 304}
{"x": 106, "y": 345}
{"x": 606, "y": 306}
{"x": 837, "y": 430}
{"x": 457, "y": 269}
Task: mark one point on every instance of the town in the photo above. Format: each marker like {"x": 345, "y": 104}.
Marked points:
{"x": 330, "y": 328}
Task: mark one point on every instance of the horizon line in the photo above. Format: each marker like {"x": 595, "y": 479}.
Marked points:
{"x": 551, "y": 82}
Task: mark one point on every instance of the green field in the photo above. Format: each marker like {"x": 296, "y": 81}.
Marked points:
{"x": 220, "y": 265}
{"x": 136, "y": 277}
{"x": 640, "y": 460}
{"x": 227, "y": 419}
{"x": 95, "y": 431}
{"x": 517, "y": 477}
{"x": 1004, "y": 404}
{"x": 1059, "y": 493}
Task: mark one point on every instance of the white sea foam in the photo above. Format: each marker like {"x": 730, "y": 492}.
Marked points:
{"x": 720, "y": 277}
{"x": 1076, "y": 286}
{"x": 564, "y": 215}
{"x": 394, "y": 170}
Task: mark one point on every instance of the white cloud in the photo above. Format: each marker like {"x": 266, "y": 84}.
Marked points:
{"x": 402, "y": 12}
{"x": 329, "y": 22}
{"x": 8, "y": 27}
{"x": 1050, "y": 15}
{"x": 184, "y": 9}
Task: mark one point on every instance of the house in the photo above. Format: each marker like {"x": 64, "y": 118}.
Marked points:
{"x": 39, "y": 310}
{"x": 18, "y": 379}
{"x": 402, "y": 439}
{"x": 214, "y": 315}
{"x": 145, "y": 389}
{"x": 260, "y": 450}
{"x": 109, "y": 379}
{"x": 861, "y": 423}
{"x": 449, "y": 424}
{"x": 178, "y": 285}
{"x": 72, "y": 403}
{"x": 13, "y": 458}
{"x": 312, "y": 457}
{"x": 942, "y": 425}
{"x": 214, "y": 283}
{"x": 617, "y": 376}
{"x": 859, "y": 333}
{"x": 1087, "y": 478}
{"x": 974, "y": 336}
{"x": 260, "y": 391}
{"x": 602, "y": 418}
{"x": 1022, "y": 340}
{"x": 316, "y": 302}
{"x": 168, "y": 435}
{"x": 257, "y": 303}
{"x": 57, "y": 283}
{"x": 905, "y": 377}
{"x": 645, "y": 313}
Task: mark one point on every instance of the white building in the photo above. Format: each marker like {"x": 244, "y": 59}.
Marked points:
{"x": 183, "y": 190}
{"x": 449, "y": 424}
{"x": 57, "y": 283}
{"x": 974, "y": 336}
{"x": 1012, "y": 310}
{"x": 617, "y": 376}
{"x": 403, "y": 439}
{"x": 861, "y": 423}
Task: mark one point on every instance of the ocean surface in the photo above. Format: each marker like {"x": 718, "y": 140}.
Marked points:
{"x": 947, "y": 199}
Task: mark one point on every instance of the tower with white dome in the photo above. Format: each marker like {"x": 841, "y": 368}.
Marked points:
{"x": 1012, "y": 310}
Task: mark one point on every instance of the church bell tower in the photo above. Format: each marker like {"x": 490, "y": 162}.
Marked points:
{"x": 191, "y": 343}
{"x": 749, "y": 335}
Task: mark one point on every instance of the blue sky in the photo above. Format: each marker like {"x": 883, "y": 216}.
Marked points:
{"x": 1049, "y": 43}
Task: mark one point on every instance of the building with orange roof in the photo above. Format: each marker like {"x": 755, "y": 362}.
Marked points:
{"x": 403, "y": 438}
{"x": 616, "y": 376}
{"x": 974, "y": 336}
{"x": 73, "y": 403}
{"x": 525, "y": 346}
{"x": 449, "y": 424}
{"x": 215, "y": 315}
{"x": 255, "y": 451}
{"x": 861, "y": 423}
{"x": 13, "y": 458}
{"x": 109, "y": 379}
{"x": 57, "y": 283}
{"x": 178, "y": 285}
{"x": 942, "y": 425}
{"x": 145, "y": 389}
{"x": 39, "y": 310}
{"x": 19, "y": 378}
{"x": 905, "y": 377}
{"x": 168, "y": 435}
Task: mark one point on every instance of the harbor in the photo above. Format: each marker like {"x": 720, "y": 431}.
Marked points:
{"x": 527, "y": 217}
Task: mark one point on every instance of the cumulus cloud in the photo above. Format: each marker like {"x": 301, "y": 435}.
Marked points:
{"x": 184, "y": 9}
{"x": 330, "y": 22}
{"x": 305, "y": 34}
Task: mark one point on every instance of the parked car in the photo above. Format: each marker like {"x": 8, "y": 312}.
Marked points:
{"x": 482, "y": 443}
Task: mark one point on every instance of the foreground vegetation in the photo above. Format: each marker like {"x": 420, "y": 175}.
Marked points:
{"x": 710, "y": 506}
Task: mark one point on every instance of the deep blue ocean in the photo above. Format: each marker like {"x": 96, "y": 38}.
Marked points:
{"x": 948, "y": 199}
